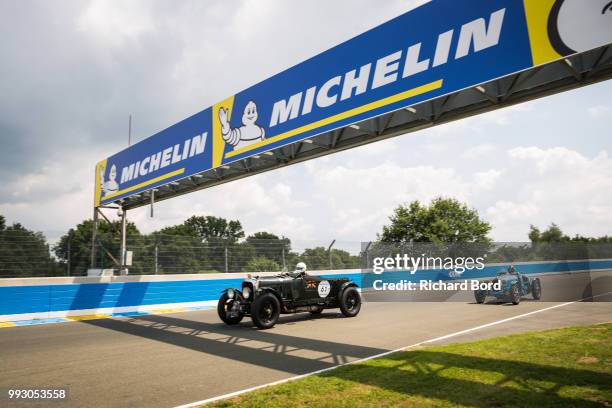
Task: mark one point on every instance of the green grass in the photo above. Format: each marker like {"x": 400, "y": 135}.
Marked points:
{"x": 553, "y": 368}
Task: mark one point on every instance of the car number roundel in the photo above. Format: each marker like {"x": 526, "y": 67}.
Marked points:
{"x": 323, "y": 288}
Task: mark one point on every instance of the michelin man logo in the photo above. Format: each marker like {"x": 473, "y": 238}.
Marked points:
{"x": 111, "y": 186}
{"x": 249, "y": 133}
{"x": 579, "y": 25}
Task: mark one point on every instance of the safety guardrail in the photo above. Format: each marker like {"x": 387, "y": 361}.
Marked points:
{"x": 40, "y": 298}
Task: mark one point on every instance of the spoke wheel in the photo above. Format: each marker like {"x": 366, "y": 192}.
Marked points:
{"x": 265, "y": 311}
{"x": 350, "y": 302}
{"x": 536, "y": 289}
{"x": 223, "y": 308}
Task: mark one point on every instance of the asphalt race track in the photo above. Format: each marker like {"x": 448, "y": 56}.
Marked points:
{"x": 168, "y": 360}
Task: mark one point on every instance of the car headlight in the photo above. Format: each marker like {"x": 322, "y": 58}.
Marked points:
{"x": 230, "y": 293}
{"x": 246, "y": 292}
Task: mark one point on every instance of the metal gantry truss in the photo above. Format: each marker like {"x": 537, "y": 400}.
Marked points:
{"x": 569, "y": 73}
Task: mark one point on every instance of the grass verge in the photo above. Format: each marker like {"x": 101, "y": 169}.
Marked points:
{"x": 553, "y": 368}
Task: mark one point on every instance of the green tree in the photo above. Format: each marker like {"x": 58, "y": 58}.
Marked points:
{"x": 210, "y": 227}
{"x": 444, "y": 220}
{"x": 552, "y": 234}
{"x": 24, "y": 252}
{"x": 205, "y": 243}
{"x": 179, "y": 251}
{"x": 270, "y": 246}
{"x": 77, "y": 243}
{"x": 553, "y": 244}
{"x": 318, "y": 258}
{"x": 261, "y": 264}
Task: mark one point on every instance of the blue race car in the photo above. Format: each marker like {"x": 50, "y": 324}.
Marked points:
{"x": 514, "y": 286}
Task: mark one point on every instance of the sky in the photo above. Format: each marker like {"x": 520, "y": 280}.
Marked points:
{"x": 73, "y": 71}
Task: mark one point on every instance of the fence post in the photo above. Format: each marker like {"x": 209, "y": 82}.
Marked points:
{"x": 367, "y": 255}
{"x": 123, "y": 244}
{"x": 69, "y": 255}
{"x": 93, "y": 238}
{"x": 226, "y": 262}
{"x": 156, "y": 257}
{"x": 330, "y": 254}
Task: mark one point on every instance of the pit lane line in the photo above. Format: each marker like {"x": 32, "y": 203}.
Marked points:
{"x": 386, "y": 353}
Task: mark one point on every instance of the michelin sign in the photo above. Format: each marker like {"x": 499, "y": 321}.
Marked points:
{"x": 436, "y": 49}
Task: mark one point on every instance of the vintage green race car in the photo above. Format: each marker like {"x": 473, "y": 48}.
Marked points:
{"x": 265, "y": 298}
{"x": 514, "y": 286}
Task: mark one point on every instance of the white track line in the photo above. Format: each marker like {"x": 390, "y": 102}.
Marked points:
{"x": 361, "y": 360}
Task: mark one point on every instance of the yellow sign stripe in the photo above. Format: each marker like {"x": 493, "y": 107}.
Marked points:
{"x": 218, "y": 142}
{"x": 7, "y": 324}
{"x": 343, "y": 115}
{"x": 100, "y": 169}
{"x": 88, "y": 317}
{"x": 537, "y": 13}
{"x": 145, "y": 183}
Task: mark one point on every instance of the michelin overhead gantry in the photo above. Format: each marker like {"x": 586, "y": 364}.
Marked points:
{"x": 437, "y": 63}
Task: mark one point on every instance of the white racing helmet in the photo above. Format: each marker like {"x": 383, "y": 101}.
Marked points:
{"x": 300, "y": 267}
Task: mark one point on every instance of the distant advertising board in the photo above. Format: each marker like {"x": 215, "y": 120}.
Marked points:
{"x": 436, "y": 49}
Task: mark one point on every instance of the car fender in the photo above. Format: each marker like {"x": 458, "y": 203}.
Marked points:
{"x": 266, "y": 289}
{"x": 346, "y": 285}
{"x": 237, "y": 291}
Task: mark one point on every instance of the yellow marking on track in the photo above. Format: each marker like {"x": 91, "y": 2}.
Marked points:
{"x": 162, "y": 311}
{"x": 7, "y": 324}
{"x": 88, "y": 317}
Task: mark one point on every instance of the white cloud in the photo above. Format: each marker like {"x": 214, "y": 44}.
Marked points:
{"x": 486, "y": 180}
{"x": 558, "y": 159}
{"x": 507, "y": 211}
{"x": 554, "y": 185}
{"x": 113, "y": 24}
{"x": 600, "y": 111}
{"x": 361, "y": 199}
{"x": 479, "y": 151}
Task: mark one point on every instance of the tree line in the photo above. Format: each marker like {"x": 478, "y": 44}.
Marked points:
{"x": 203, "y": 244}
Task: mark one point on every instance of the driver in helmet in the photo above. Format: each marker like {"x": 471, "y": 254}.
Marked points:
{"x": 300, "y": 269}
{"x": 511, "y": 269}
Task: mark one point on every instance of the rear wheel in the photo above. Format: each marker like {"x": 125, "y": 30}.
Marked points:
{"x": 480, "y": 296}
{"x": 223, "y": 310}
{"x": 536, "y": 289}
{"x": 515, "y": 294}
{"x": 350, "y": 302}
{"x": 265, "y": 311}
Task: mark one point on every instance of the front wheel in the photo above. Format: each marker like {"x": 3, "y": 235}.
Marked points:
{"x": 515, "y": 294}
{"x": 224, "y": 308}
{"x": 480, "y": 296}
{"x": 265, "y": 311}
{"x": 350, "y": 302}
{"x": 536, "y": 289}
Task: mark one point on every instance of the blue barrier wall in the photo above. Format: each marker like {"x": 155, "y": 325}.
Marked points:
{"x": 52, "y": 298}
{"x": 78, "y": 296}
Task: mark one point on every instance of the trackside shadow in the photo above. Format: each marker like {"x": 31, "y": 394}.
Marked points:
{"x": 263, "y": 348}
